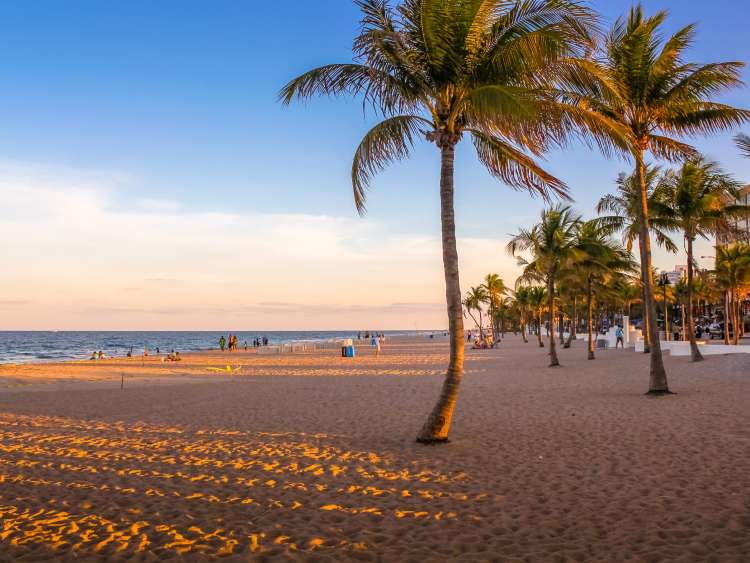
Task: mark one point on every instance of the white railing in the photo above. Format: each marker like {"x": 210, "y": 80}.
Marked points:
{"x": 297, "y": 348}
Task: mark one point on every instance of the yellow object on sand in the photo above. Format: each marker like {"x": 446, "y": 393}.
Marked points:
{"x": 228, "y": 369}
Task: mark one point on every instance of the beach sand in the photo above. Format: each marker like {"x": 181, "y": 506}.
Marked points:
{"x": 312, "y": 457}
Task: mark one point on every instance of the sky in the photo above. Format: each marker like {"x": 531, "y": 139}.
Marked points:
{"x": 151, "y": 180}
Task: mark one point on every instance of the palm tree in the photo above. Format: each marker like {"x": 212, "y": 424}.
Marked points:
{"x": 665, "y": 295}
{"x": 627, "y": 293}
{"x": 644, "y": 84}
{"x": 700, "y": 197}
{"x": 537, "y": 302}
{"x": 503, "y": 309}
{"x": 624, "y": 209}
{"x": 495, "y": 289}
{"x": 551, "y": 243}
{"x": 473, "y": 301}
{"x": 599, "y": 260}
{"x": 444, "y": 69}
{"x": 569, "y": 287}
{"x": 732, "y": 273}
{"x": 522, "y": 304}
{"x": 743, "y": 143}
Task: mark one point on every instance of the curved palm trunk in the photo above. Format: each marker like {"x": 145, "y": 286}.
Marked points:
{"x": 439, "y": 421}
{"x": 697, "y": 356}
{"x": 523, "y": 331}
{"x": 590, "y": 319}
{"x": 553, "y": 361}
{"x": 658, "y": 376}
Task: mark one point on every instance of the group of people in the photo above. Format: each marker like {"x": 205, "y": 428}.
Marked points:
{"x": 98, "y": 355}
{"x": 228, "y": 343}
{"x": 369, "y": 334}
{"x": 231, "y": 343}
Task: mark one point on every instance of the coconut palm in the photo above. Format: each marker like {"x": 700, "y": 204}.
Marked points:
{"x": 503, "y": 310}
{"x": 475, "y": 298}
{"x": 551, "y": 244}
{"x": 537, "y": 303}
{"x": 495, "y": 289}
{"x": 443, "y": 69}
{"x": 665, "y": 295}
{"x": 623, "y": 207}
{"x": 732, "y": 273}
{"x": 627, "y": 292}
{"x": 644, "y": 83}
{"x": 599, "y": 259}
{"x": 570, "y": 284}
{"x": 522, "y": 305}
{"x": 700, "y": 198}
{"x": 743, "y": 143}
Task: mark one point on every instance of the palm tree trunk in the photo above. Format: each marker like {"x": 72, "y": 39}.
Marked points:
{"x": 658, "y": 376}
{"x": 539, "y": 328}
{"x": 553, "y": 361}
{"x": 439, "y": 421}
{"x": 726, "y": 317}
{"x": 736, "y": 321}
{"x": 523, "y": 331}
{"x": 573, "y": 322}
{"x": 666, "y": 315}
{"x": 697, "y": 356}
{"x": 644, "y": 330}
{"x": 590, "y": 320}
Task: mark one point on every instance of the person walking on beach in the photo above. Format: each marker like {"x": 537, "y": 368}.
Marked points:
{"x": 375, "y": 342}
{"x": 222, "y": 342}
{"x": 620, "y": 337}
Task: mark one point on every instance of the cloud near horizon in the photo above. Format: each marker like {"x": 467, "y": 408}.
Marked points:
{"x": 78, "y": 255}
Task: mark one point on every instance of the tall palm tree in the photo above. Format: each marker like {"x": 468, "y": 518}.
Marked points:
{"x": 522, "y": 304}
{"x": 570, "y": 286}
{"x": 551, "y": 244}
{"x": 644, "y": 83}
{"x": 666, "y": 296}
{"x": 599, "y": 260}
{"x": 495, "y": 289}
{"x": 732, "y": 273}
{"x": 700, "y": 198}
{"x": 537, "y": 303}
{"x": 443, "y": 69}
{"x": 624, "y": 206}
{"x": 475, "y": 297}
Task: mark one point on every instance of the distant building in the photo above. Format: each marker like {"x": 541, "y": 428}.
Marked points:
{"x": 676, "y": 275}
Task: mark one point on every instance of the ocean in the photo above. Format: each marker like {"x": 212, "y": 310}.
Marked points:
{"x": 40, "y": 346}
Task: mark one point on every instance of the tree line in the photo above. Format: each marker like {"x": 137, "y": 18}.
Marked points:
{"x": 519, "y": 79}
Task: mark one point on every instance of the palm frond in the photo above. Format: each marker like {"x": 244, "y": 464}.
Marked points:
{"x": 389, "y": 141}
{"x": 516, "y": 169}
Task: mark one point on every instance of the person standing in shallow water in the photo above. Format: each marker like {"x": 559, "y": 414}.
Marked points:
{"x": 222, "y": 342}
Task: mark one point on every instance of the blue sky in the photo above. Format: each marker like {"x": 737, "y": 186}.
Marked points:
{"x": 170, "y": 107}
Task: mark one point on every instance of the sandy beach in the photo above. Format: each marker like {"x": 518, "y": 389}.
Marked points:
{"x": 312, "y": 457}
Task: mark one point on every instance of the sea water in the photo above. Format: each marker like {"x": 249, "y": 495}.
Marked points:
{"x": 41, "y": 346}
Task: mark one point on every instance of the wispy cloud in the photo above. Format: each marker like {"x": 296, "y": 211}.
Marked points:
{"x": 89, "y": 264}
